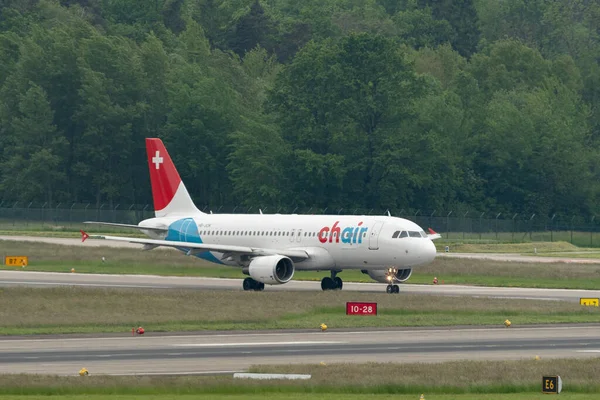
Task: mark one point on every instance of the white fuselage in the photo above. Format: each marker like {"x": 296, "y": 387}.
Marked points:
{"x": 332, "y": 241}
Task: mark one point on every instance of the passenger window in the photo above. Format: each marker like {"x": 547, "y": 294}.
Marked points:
{"x": 395, "y": 235}
{"x": 403, "y": 234}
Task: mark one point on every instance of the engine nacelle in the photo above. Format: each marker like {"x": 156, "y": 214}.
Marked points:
{"x": 272, "y": 270}
{"x": 389, "y": 275}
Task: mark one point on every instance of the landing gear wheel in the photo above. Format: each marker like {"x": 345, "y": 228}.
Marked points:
{"x": 327, "y": 283}
{"x": 389, "y": 289}
{"x": 338, "y": 283}
{"x": 395, "y": 289}
{"x": 251, "y": 284}
{"x": 248, "y": 284}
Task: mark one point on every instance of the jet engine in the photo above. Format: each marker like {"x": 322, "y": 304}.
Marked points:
{"x": 272, "y": 270}
{"x": 389, "y": 275}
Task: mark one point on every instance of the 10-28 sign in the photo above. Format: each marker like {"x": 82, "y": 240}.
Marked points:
{"x": 354, "y": 308}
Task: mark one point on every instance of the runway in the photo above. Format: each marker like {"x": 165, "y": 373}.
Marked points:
{"x": 215, "y": 353}
{"x": 48, "y": 279}
{"x": 232, "y": 352}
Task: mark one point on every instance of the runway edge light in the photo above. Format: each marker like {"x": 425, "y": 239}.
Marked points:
{"x": 83, "y": 372}
{"x": 507, "y": 323}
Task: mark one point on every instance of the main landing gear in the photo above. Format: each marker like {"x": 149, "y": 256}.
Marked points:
{"x": 392, "y": 289}
{"x": 251, "y": 284}
{"x": 333, "y": 283}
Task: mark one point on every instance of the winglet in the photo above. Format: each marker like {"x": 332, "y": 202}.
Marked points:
{"x": 84, "y": 236}
{"x": 431, "y": 231}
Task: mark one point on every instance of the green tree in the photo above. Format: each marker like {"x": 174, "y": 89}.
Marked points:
{"x": 336, "y": 103}
{"x": 109, "y": 110}
{"x": 462, "y": 17}
{"x": 417, "y": 28}
{"x": 34, "y": 166}
{"x": 513, "y": 19}
{"x": 252, "y": 29}
{"x": 509, "y": 64}
{"x": 536, "y": 154}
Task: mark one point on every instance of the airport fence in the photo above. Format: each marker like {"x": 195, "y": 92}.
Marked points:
{"x": 466, "y": 226}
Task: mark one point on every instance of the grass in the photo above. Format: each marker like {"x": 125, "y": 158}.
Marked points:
{"x": 84, "y": 310}
{"x": 57, "y": 258}
{"x": 467, "y": 380}
{"x": 312, "y": 396}
{"x": 577, "y": 238}
{"x": 521, "y": 248}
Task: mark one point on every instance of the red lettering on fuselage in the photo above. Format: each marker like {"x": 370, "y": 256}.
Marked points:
{"x": 348, "y": 235}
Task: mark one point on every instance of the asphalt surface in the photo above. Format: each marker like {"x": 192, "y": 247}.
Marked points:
{"x": 226, "y": 353}
{"x": 48, "y": 279}
{"x": 233, "y": 352}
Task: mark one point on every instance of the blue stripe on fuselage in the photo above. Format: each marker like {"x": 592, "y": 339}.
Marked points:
{"x": 185, "y": 230}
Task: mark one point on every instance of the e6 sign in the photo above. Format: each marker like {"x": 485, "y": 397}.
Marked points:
{"x": 354, "y": 308}
{"x": 551, "y": 384}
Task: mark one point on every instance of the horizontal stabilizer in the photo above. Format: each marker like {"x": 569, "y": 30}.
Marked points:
{"x": 433, "y": 234}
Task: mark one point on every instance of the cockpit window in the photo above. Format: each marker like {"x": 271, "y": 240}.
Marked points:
{"x": 414, "y": 234}
{"x": 423, "y": 234}
{"x": 403, "y": 234}
{"x": 395, "y": 235}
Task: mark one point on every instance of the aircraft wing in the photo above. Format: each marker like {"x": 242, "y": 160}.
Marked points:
{"x": 221, "y": 248}
{"x": 127, "y": 226}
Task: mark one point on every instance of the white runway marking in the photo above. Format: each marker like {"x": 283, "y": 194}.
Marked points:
{"x": 251, "y": 344}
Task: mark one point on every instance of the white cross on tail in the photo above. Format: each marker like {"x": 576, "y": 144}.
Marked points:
{"x": 157, "y": 159}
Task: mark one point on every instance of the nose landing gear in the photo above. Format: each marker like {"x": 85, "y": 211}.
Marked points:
{"x": 392, "y": 289}
{"x": 333, "y": 283}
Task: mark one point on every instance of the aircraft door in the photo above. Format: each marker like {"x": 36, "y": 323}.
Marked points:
{"x": 299, "y": 237}
{"x": 374, "y": 236}
{"x": 292, "y": 235}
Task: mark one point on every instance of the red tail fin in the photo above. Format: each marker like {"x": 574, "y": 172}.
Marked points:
{"x": 168, "y": 191}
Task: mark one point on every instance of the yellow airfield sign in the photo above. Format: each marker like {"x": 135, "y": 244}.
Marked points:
{"x": 588, "y": 301}
{"x": 16, "y": 261}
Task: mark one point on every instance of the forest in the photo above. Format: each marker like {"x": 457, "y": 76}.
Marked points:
{"x": 488, "y": 105}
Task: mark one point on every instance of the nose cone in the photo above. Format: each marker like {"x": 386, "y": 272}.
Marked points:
{"x": 429, "y": 251}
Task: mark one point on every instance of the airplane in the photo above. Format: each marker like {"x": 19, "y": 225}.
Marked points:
{"x": 269, "y": 248}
